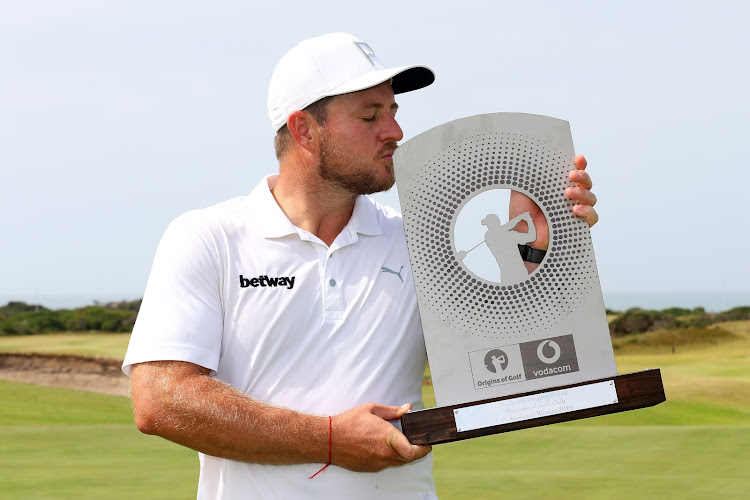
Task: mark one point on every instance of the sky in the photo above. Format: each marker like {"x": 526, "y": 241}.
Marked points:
{"x": 117, "y": 116}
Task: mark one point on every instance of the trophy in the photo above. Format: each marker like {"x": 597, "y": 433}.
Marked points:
{"x": 510, "y": 345}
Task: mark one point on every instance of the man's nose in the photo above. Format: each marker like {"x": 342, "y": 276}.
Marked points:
{"x": 392, "y": 130}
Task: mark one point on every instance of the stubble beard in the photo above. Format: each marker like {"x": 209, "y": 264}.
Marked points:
{"x": 350, "y": 173}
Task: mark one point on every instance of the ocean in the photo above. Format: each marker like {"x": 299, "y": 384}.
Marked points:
{"x": 618, "y": 301}
{"x": 710, "y": 301}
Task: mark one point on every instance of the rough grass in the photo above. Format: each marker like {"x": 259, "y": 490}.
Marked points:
{"x": 111, "y": 345}
{"x": 671, "y": 340}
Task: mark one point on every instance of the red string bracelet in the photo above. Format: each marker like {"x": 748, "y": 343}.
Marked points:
{"x": 330, "y": 448}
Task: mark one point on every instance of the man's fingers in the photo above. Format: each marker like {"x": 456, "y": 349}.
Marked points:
{"x": 390, "y": 412}
{"x": 395, "y": 439}
{"x": 580, "y": 162}
{"x": 409, "y": 452}
{"x": 587, "y": 212}
{"x": 582, "y": 178}
{"x": 585, "y": 207}
{"x": 581, "y": 195}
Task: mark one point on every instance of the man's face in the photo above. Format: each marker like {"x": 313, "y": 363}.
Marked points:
{"x": 358, "y": 140}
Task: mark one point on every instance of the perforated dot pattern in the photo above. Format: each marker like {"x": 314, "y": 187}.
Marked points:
{"x": 473, "y": 305}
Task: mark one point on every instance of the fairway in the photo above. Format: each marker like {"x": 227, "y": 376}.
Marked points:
{"x": 57, "y": 443}
{"x": 598, "y": 462}
{"x": 61, "y": 443}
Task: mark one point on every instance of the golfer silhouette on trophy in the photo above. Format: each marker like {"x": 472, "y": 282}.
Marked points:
{"x": 503, "y": 241}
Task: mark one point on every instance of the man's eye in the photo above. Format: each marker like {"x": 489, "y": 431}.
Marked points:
{"x": 369, "y": 118}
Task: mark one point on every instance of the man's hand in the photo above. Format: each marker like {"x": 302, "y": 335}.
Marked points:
{"x": 363, "y": 440}
{"x": 581, "y": 194}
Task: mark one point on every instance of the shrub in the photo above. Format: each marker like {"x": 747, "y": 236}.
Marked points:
{"x": 17, "y": 307}
{"x": 28, "y": 322}
{"x": 676, "y": 311}
{"x": 736, "y": 314}
{"x": 99, "y": 318}
{"x": 19, "y": 318}
{"x": 640, "y": 320}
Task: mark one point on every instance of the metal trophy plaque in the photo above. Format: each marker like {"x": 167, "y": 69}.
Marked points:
{"x": 510, "y": 344}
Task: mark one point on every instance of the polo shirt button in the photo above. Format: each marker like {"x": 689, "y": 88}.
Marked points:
{"x": 332, "y": 282}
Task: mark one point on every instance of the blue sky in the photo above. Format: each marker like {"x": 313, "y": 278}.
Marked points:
{"x": 115, "y": 117}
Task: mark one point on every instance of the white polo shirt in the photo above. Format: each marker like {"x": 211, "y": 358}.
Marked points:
{"x": 272, "y": 310}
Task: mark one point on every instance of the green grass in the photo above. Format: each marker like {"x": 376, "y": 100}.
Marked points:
{"x": 30, "y": 405}
{"x": 56, "y": 443}
{"x": 60, "y": 443}
{"x": 564, "y": 461}
{"x": 111, "y": 345}
{"x": 93, "y": 461}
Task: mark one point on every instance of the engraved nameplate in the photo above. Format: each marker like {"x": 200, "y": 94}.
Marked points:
{"x": 535, "y": 406}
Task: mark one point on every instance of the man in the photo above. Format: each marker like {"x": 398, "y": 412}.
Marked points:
{"x": 269, "y": 338}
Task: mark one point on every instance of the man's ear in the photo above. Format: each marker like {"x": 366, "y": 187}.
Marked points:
{"x": 304, "y": 129}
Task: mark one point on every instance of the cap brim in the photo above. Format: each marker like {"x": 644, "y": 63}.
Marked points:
{"x": 413, "y": 78}
{"x": 405, "y": 79}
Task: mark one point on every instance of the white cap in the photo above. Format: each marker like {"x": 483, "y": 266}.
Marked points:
{"x": 333, "y": 64}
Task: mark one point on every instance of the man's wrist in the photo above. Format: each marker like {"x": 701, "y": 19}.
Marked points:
{"x": 530, "y": 254}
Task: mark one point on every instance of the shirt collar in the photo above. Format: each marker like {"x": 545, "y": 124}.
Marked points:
{"x": 365, "y": 217}
{"x": 274, "y": 223}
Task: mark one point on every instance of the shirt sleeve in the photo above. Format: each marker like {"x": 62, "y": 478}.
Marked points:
{"x": 181, "y": 317}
